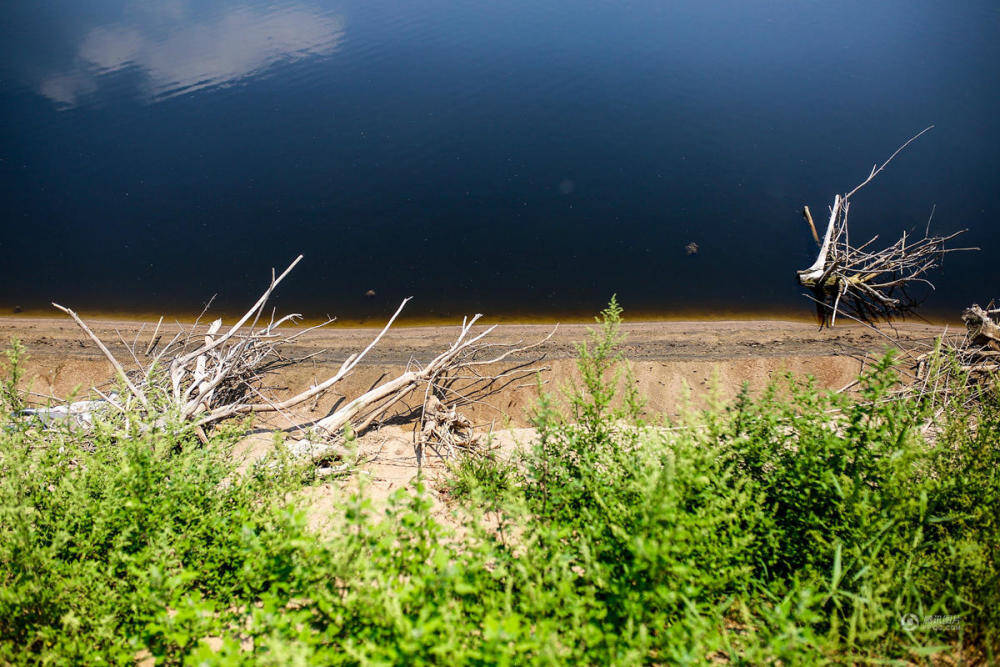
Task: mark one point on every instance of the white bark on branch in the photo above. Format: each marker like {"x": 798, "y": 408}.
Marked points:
{"x": 210, "y": 377}
{"x": 870, "y": 285}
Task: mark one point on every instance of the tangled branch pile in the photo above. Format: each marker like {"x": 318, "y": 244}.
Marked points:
{"x": 202, "y": 377}
{"x": 446, "y": 429}
{"x": 984, "y": 329}
{"x": 206, "y": 377}
{"x": 967, "y": 366}
{"x": 869, "y": 285}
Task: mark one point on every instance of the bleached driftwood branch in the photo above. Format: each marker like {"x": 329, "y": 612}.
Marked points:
{"x": 870, "y": 285}
{"x": 983, "y": 325}
{"x": 205, "y": 378}
{"x": 468, "y": 353}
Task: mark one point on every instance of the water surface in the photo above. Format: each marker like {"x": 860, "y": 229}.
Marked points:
{"x": 515, "y": 158}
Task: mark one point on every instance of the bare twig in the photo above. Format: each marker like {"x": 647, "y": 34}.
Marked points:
{"x": 219, "y": 372}
{"x": 870, "y": 285}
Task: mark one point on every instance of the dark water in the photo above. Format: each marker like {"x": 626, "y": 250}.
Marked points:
{"x": 518, "y": 157}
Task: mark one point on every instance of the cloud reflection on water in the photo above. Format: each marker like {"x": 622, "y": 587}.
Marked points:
{"x": 179, "y": 52}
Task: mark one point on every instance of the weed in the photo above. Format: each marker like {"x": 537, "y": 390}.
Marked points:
{"x": 797, "y": 527}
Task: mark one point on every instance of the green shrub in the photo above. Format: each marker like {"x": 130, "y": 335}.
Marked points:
{"x": 865, "y": 513}
{"x": 481, "y": 476}
{"x": 10, "y": 396}
{"x": 656, "y": 524}
{"x": 101, "y": 535}
{"x": 799, "y": 527}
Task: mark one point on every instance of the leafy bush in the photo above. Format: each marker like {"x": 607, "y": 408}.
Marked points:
{"x": 862, "y": 509}
{"x": 481, "y": 476}
{"x": 101, "y": 535}
{"x": 797, "y": 527}
{"x": 657, "y": 526}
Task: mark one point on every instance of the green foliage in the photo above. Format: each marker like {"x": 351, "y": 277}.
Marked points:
{"x": 867, "y": 521}
{"x": 481, "y": 477}
{"x": 10, "y": 396}
{"x": 99, "y": 536}
{"x": 579, "y": 458}
{"x": 657, "y": 527}
{"x": 797, "y": 527}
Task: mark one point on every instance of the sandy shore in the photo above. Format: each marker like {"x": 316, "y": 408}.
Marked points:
{"x": 667, "y": 358}
{"x": 665, "y": 355}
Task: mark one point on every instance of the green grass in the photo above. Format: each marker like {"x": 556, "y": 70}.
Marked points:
{"x": 797, "y": 527}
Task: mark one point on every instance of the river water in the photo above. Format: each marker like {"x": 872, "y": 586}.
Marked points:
{"x": 525, "y": 158}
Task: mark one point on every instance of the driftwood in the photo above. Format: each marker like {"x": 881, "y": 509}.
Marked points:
{"x": 983, "y": 326}
{"x": 948, "y": 371}
{"x": 966, "y": 366}
{"x": 870, "y": 285}
{"x": 79, "y": 413}
{"x": 204, "y": 377}
{"x": 468, "y": 358}
{"x": 446, "y": 429}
